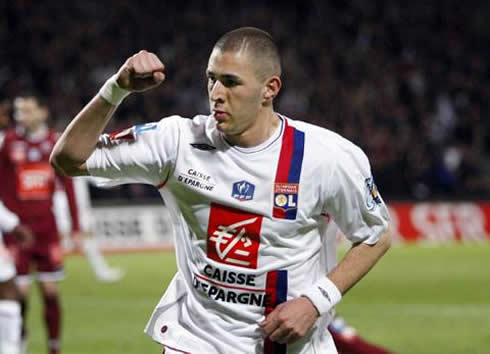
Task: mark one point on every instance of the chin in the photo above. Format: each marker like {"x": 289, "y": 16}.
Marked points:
{"x": 221, "y": 126}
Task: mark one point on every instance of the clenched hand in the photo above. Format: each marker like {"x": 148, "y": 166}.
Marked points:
{"x": 141, "y": 72}
{"x": 290, "y": 320}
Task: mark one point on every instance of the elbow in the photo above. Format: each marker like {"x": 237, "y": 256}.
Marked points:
{"x": 386, "y": 240}
{"x": 64, "y": 165}
{"x": 56, "y": 161}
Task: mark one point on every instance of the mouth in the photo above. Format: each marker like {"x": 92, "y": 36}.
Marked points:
{"x": 219, "y": 115}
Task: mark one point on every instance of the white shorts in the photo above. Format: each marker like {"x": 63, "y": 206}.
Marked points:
{"x": 7, "y": 266}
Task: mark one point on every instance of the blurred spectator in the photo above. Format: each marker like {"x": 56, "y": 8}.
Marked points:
{"x": 407, "y": 81}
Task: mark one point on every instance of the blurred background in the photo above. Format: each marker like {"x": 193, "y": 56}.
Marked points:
{"x": 407, "y": 81}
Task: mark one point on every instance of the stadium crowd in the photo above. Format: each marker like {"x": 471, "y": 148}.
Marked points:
{"x": 409, "y": 82}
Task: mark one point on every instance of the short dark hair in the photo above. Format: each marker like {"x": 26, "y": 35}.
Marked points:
{"x": 259, "y": 44}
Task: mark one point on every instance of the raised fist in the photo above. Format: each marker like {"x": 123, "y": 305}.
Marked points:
{"x": 141, "y": 72}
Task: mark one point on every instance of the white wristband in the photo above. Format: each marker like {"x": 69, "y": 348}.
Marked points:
{"x": 112, "y": 92}
{"x": 324, "y": 295}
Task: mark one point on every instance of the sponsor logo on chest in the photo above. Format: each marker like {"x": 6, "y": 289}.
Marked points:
{"x": 35, "y": 181}
{"x": 233, "y": 236}
{"x": 196, "y": 179}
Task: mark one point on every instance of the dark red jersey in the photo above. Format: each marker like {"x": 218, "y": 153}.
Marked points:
{"x": 27, "y": 180}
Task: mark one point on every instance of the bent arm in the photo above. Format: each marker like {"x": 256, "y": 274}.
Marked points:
{"x": 79, "y": 139}
{"x": 358, "y": 261}
{"x": 292, "y": 319}
{"x": 139, "y": 73}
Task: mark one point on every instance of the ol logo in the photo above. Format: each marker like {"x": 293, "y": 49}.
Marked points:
{"x": 286, "y": 196}
{"x": 243, "y": 191}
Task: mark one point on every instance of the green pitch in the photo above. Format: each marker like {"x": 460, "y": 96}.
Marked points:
{"x": 418, "y": 300}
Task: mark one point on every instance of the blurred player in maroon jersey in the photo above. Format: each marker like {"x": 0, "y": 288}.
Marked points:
{"x": 28, "y": 184}
{"x": 10, "y": 314}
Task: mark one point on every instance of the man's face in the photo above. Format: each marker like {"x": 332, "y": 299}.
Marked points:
{"x": 235, "y": 91}
{"x": 29, "y": 113}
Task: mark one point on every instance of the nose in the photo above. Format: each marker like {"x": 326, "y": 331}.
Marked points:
{"x": 217, "y": 92}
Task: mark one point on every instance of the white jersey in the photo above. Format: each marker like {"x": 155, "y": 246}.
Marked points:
{"x": 248, "y": 223}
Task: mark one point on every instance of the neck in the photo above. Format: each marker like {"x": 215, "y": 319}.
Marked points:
{"x": 36, "y": 131}
{"x": 261, "y": 130}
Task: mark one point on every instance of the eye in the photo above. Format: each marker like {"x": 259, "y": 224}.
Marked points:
{"x": 211, "y": 80}
{"x": 230, "y": 82}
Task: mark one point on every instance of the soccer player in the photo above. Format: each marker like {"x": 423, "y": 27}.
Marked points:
{"x": 248, "y": 189}
{"x": 10, "y": 313}
{"x": 28, "y": 184}
{"x": 10, "y": 316}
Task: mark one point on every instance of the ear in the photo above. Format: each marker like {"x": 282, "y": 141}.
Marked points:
{"x": 272, "y": 88}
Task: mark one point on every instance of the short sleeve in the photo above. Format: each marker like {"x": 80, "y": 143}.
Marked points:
{"x": 144, "y": 153}
{"x": 353, "y": 199}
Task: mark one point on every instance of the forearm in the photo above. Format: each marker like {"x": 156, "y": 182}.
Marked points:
{"x": 357, "y": 262}
{"x": 79, "y": 139}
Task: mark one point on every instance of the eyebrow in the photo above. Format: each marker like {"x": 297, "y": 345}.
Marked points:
{"x": 223, "y": 76}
